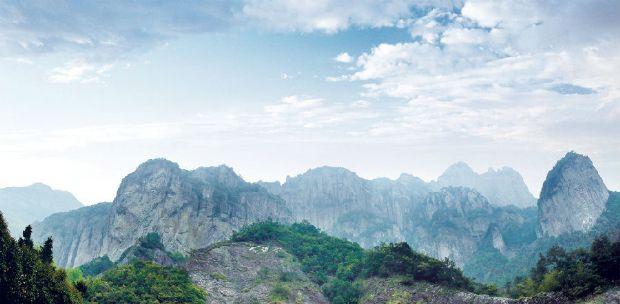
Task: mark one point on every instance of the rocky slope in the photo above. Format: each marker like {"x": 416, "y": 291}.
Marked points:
{"x": 398, "y": 290}
{"x": 501, "y": 187}
{"x": 22, "y": 206}
{"x": 573, "y": 196}
{"x": 249, "y": 273}
{"x": 188, "y": 209}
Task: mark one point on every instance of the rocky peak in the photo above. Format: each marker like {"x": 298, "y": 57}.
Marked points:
{"x": 155, "y": 166}
{"x": 188, "y": 209}
{"x": 501, "y": 187}
{"x": 457, "y": 174}
{"x": 410, "y": 179}
{"x": 325, "y": 174}
{"x": 220, "y": 175}
{"x": 572, "y": 198}
{"x": 463, "y": 200}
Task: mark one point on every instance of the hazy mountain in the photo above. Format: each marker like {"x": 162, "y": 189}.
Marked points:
{"x": 22, "y": 206}
{"x": 189, "y": 209}
{"x": 344, "y": 204}
{"x": 501, "y": 187}
{"x": 573, "y": 196}
{"x": 450, "y": 222}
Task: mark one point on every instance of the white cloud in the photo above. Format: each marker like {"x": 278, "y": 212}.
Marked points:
{"x": 80, "y": 71}
{"x": 343, "y": 58}
{"x": 105, "y": 29}
{"x": 19, "y": 60}
{"x": 502, "y": 71}
{"x": 328, "y": 16}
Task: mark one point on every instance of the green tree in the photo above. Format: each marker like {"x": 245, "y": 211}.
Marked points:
{"x": 25, "y": 277}
{"x": 143, "y": 282}
{"x": 47, "y": 254}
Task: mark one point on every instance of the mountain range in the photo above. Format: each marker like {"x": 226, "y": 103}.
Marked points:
{"x": 193, "y": 209}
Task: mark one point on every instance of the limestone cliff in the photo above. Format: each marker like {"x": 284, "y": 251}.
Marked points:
{"x": 188, "y": 209}
{"x": 344, "y": 204}
{"x": 450, "y": 222}
{"x": 573, "y": 196}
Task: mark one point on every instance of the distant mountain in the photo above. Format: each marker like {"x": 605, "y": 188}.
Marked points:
{"x": 573, "y": 196}
{"x": 188, "y": 209}
{"x": 501, "y": 187}
{"x": 22, "y": 206}
{"x": 344, "y": 204}
{"x": 449, "y": 222}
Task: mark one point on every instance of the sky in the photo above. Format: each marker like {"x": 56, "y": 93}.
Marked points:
{"x": 91, "y": 89}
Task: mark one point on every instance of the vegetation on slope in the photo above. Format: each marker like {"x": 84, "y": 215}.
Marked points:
{"x": 490, "y": 266}
{"x": 27, "y": 274}
{"x": 143, "y": 282}
{"x": 575, "y": 273}
{"x": 337, "y": 264}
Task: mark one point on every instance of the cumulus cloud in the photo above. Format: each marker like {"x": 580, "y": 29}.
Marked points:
{"x": 115, "y": 28}
{"x": 502, "y": 70}
{"x": 343, "y": 58}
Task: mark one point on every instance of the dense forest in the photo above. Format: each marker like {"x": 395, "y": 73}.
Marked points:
{"x": 575, "y": 273}
{"x": 28, "y": 275}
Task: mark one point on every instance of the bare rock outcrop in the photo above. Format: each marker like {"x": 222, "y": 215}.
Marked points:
{"x": 250, "y": 273}
{"x": 573, "y": 196}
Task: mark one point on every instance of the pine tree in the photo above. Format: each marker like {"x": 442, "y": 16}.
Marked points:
{"x": 26, "y": 239}
{"x": 46, "y": 251}
{"x": 8, "y": 264}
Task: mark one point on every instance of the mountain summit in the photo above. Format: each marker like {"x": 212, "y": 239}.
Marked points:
{"x": 188, "y": 209}
{"x": 501, "y": 187}
{"x": 573, "y": 196}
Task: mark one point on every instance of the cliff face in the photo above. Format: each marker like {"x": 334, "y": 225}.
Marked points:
{"x": 188, "y": 209}
{"x": 22, "y": 206}
{"x": 572, "y": 198}
{"x": 344, "y": 204}
{"x": 501, "y": 187}
{"x": 78, "y": 234}
{"x": 450, "y": 222}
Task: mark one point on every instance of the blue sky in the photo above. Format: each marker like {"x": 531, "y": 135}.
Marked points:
{"x": 90, "y": 89}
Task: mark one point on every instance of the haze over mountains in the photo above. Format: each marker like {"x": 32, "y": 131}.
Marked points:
{"x": 193, "y": 209}
{"x": 23, "y": 205}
